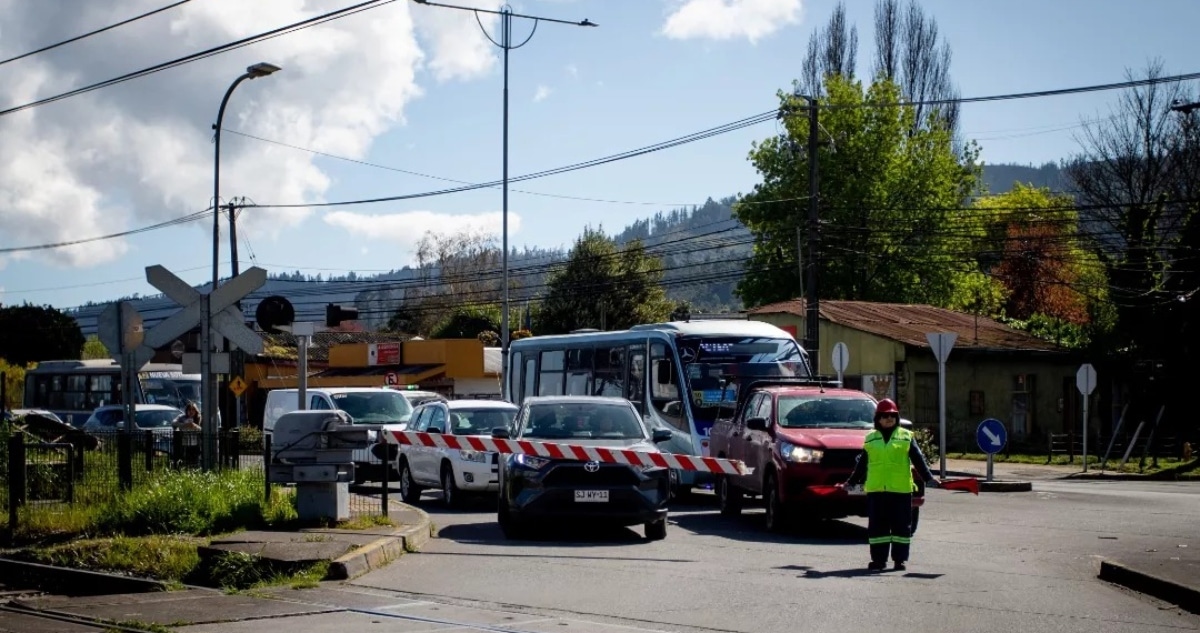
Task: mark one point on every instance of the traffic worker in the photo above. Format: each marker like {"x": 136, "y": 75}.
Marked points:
{"x": 886, "y": 465}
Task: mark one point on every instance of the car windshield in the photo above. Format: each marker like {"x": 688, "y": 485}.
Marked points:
{"x": 157, "y": 418}
{"x": 714, "y": 365}
{"x": 373, "y": 407}
{"x": 481, "y": 421}
{"x": 582, "y": 421}
{"x": 824, "y": 411}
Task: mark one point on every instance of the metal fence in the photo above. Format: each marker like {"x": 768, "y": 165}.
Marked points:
{"x": 43, "y": 478}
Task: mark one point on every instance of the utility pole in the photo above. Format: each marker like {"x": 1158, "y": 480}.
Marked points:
{"x": 237, "y": 358}
{"x": 506, "y": 44}
{"x": 812, "y": 319}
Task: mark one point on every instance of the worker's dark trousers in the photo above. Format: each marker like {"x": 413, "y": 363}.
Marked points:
{"x": 888, "y": 525}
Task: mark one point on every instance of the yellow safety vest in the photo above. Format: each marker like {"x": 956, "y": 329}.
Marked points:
{"x": 888, "y": 466}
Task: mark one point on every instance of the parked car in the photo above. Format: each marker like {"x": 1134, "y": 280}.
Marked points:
{"x": 417, "y": 397}
{"x": 794, "y": 435}
{"x": 369, "y": 406}
{"x": 536, "y": 488}
{"x": 453, "y": 471}
{"x": 159, "y": 419}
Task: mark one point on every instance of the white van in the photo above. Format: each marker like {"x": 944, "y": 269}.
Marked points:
{"x": 370, "y": 406}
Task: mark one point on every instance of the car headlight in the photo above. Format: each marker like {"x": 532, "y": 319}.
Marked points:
{"x": 799, "y": 454}
{"x": 530, "y": 461}
{"x": 474, "y": 456}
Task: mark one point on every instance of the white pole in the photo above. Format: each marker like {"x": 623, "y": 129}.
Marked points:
{"x": 302, "y": 378}
{"x": 1085, "y": 430}
{"x": 942, "y": 414}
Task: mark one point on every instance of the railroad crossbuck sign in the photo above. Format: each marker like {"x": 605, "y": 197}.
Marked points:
{"x": 227, "y": 320}
{"x": 574, "y": 451}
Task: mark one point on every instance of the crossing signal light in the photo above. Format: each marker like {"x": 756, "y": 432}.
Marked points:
{"x": 335, "y": 314}
{"x": 273, "y": 312}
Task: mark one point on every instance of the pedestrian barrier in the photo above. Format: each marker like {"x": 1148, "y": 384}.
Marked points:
{"x": 574, "y": 451}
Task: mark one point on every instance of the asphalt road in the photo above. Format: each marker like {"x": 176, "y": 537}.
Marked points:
{"x": 997, "y": 562}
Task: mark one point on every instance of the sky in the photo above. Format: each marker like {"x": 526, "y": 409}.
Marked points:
{"x": 403, "y": 98}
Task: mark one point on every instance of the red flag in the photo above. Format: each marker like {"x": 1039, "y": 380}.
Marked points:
{"x": 969, "y": 484}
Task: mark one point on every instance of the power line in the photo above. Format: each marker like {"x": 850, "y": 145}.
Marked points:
{"x": 216, "y": 50}
{"x": 461, "y": 182}
{"x": 37, "y": 247}
{"x": 95, "y": 32}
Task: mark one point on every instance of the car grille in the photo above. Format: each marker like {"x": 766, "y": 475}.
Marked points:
{"x": 840, "y": 458}
{"x": 573, "y": 474}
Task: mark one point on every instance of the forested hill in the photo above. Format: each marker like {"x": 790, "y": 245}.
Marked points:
{"x": 999, "y": 178}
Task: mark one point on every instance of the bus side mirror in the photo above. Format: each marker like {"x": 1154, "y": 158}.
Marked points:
{"x": 665, "y": 372}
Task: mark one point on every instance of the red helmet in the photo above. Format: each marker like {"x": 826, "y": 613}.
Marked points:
{"x": 886, "y": 406}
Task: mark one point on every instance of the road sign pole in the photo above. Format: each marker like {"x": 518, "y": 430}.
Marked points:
{"x": 1085, "y": 381}
{"x": 303, "y": 332}
{"x": 942, "y": 414}
{"x": 989, "y": 467}
{"x": 1085, "y": 431}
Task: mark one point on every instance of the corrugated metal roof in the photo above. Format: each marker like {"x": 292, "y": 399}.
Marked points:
{"x": 909, "y": 323}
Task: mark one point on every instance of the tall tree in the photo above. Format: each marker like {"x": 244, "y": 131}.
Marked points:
{"x": 832, "y": 50}
{"x": 1136, "y": 175}
{"x": 455, "y": 270}
{"x": 1032, "y": 247}
{"x": 890, "y": 206}
{"x": 30, "y": 333}
{"x": 603, "y": 286}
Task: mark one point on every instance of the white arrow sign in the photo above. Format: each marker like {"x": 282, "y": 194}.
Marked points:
{"x": 992, "y": 437}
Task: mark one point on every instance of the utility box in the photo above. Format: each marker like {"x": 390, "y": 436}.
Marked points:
{"x": 314, "y": 450}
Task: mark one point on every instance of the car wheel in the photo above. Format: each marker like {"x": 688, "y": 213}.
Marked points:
{"x": 776, "y": 517}
{"x": 410, "y": 492}
{"x": 450, "y": 492}
{"x": 729, "y": 498}
{"x": 656, "y": 530}
{"x": 511, "y": 526}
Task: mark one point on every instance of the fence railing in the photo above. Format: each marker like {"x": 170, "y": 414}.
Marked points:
{"x": 57, "y": 477}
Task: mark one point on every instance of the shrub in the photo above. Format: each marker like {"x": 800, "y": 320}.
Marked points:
{"x": 187, "y": 502}
{"x": 927, "y": 442}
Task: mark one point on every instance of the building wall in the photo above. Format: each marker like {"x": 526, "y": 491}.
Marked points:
{"x": 476, "y": 386}
{"x": 870, "y": 354}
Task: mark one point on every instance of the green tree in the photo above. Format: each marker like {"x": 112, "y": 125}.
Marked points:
{"x": 30, "y": 333}
{"x": 14, "y": 384}
{"x": 93, "y": 349}
{"x": 891, "y": 197}
{"x": 469, "y": 322}
{"x": 603, "y": 286}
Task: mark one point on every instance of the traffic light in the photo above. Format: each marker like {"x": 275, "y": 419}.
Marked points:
{"x": 335, "y": 314}
{"x": 273, "y": 312}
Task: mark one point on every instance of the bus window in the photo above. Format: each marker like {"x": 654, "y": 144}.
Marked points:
{"x": 635, "y": 387}
{"x": 513, "y": 378}
{"x": 666, "y": 398}
{"x": 579, "y": 372}
{"x": 530, "y": 379}
{"x": 550, "y": 382}
{"x": 610, "y": 372}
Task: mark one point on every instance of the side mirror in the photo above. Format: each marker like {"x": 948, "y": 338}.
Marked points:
{"x": 500, "y": 433}
{"x": 661, "y": 435}
{"x": 756, "y": 424}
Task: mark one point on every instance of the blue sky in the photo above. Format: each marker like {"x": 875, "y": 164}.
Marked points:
{"x": 576, "y": 94}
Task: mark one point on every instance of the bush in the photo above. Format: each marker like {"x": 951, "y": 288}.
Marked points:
{"x": 927, "y": 442}
{"x": 250, "y": 440}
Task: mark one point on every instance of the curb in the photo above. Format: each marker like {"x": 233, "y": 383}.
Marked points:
{"x": 73, "y": 582}
{"x": 382, "y": 551}
{"x": 1184, "y": 597}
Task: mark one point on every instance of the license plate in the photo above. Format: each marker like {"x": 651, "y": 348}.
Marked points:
{"x": 591, "y": 496}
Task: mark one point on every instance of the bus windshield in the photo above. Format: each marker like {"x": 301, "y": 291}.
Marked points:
{"x": 713, "y": 365}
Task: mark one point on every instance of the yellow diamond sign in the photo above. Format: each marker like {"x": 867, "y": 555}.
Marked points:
{"x": 237, "y": 386}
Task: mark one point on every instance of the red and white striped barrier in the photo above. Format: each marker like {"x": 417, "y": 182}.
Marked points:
{"x": 574, "y": 451}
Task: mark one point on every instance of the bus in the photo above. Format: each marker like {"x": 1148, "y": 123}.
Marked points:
{"x": 73, "y": 389}
{"x": 680, "y": 375}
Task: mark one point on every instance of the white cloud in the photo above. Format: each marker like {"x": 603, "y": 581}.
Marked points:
{"x": 542, "y": 93}
{"x": 572, "y": 70}
{"x": 141, "y": 152}
{"x": 460, "y": 48}
{"x": 406, "y": 229}
{"x": 730, "y": 19}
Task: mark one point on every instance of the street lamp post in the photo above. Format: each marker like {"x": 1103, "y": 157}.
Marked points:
{"x": 209, "y": 382}
{"x": 506, "y": 44}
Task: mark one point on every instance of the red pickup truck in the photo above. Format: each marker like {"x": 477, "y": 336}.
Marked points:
{"x": 794, "y": 436}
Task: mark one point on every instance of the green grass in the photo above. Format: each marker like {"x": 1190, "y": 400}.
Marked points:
{"x": 1164, "y": 463}
{"x": 169, "y": 558}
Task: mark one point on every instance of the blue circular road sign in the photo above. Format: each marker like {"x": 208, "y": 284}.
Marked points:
{"x": 991, "y": 436}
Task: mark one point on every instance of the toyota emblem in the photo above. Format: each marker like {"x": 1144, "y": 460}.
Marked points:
{"x": 592, "y": 467}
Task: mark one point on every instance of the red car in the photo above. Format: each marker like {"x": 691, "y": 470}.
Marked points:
{"x": 795, "y": 435}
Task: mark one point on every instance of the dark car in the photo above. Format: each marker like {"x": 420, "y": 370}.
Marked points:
{"x": 534, "y": 489}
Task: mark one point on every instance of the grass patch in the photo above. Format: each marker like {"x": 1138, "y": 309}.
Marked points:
{"x": 1164, "y": 463}
{"x": 170, "y": 558}
{"x": 236, "y": 572}
{"x": 366, "y": 522}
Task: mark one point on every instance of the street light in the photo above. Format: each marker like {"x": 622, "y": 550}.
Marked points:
{"x": 208, "y": 422}
{"x": 506, "y": 17}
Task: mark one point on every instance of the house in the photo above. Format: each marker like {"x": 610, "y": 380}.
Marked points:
{"x": 993, "y": 370}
